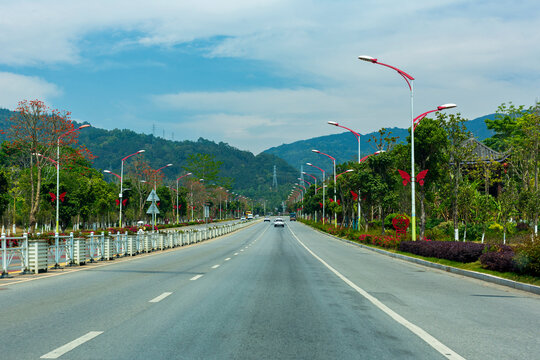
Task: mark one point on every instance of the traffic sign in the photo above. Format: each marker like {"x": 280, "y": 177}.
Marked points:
{"x": 152, "y": 209}
{"x": 153, "y": 196}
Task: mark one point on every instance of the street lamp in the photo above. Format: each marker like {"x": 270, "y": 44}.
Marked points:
{"x": 122, "y": 184}
{"x": 346, "y": 171}
{"x": 409, "y": 79}
{"x": 358, "y": 139}
{"x": 177, "y": 210}
{"x": 58, "y": 170}
{"x": 314, "y": 179}
{"x": 334, "y": 162}
{"x": 323, "y": 195}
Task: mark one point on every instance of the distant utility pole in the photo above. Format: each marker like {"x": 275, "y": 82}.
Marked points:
{"x": 274, "y": 180}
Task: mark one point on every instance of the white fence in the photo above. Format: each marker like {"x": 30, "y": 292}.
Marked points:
{"x": 23, "y": 255}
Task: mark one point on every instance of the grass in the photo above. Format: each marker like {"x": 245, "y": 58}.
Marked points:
{"x": 475, "y": 266}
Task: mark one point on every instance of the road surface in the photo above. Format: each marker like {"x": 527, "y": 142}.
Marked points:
{"x": 266, "y": 293}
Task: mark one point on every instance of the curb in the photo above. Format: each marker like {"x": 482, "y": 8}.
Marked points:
{"x": 472, "y": 274}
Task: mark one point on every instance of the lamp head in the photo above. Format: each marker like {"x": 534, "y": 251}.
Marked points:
{"x": 83, "y": 126}
{"x": 169, "y": 165}
{"x": 333, "y": 123}
{"x": 446, "y": 106}
{"x": 380, "y": 151}
{"x": 316, "y": 151}
{"x": 350, "y": 170}
{"x": 140, "y": 151}
{"x": 310, "y": 164}
{"x": 367, "y": 58}
{"x": 107, "y": 171}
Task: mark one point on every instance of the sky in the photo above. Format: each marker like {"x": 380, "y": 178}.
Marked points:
{"x": 258, "y": 74}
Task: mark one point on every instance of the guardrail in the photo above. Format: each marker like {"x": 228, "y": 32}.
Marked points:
{"x": 23, "y": 255}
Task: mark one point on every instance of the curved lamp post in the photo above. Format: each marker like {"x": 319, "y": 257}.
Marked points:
{"x": 358, "y": 139}
{"x": 323, "y": 191}
{"x": 122, "y": 184}
{"x": 334, "y": 162}
{"x": 58, "y": 170}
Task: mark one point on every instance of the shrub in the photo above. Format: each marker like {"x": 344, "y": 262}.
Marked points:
{"x": 464, "y": 252}
{"x": 527, "y": 258}
{"x": 498, "y": 258}
{"x": 522, "y": 226}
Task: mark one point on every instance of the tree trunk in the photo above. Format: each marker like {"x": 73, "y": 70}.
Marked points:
{"x": 422, "y": 215}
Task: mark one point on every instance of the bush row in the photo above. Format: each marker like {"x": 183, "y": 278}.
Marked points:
{"x": 464, "y": 252}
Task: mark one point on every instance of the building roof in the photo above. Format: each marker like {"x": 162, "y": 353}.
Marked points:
{"x": 484, "y": 153}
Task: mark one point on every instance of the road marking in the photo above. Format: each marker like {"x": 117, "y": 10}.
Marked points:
{"x": 241, "y": 250}
{"x": 196, "y": 277}
{"x": 235, "y": 254}
{"x": 160, "y": 297}
{"x": 418, "y": 331}
{"x": 55, "y": 354}
{"x": 227, "y": 259}
{"x": 215, "y": 266}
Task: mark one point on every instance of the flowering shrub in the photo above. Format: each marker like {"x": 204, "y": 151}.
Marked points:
{"x": 498, "y": 258}
{"x": 464, "y": 252}
{"x": 386, "y": 241}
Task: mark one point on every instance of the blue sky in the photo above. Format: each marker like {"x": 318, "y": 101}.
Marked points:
{"x": 256, "y": 74}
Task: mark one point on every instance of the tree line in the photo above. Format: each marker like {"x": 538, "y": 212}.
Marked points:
{"x": 461, "y": 194}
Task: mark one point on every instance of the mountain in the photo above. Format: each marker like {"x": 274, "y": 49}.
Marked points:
{"x": 252, "y": 175}
{"x": 344, "y": 146}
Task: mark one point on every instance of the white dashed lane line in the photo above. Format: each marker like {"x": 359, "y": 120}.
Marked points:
{"x": 235, "y": 254}
{"x": 215, "y": 266}
{"x": 227, "y": 259}
{"x": 196, "y": 277}
{"x": 56, "y": 353}
{"x": 160, "y": 297}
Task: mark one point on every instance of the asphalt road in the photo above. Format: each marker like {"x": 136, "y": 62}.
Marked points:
{"x": 266, "y": 293}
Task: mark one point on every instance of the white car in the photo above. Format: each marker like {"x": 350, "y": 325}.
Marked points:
{"x": 243, "y": 218}
{"x": 279, "y": 222}
{"x": 266, "y": 219}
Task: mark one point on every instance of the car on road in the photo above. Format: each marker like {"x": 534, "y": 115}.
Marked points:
{"x": 279, "y": 222}
{"x": 266, "y": 219}
{"x": 243, "y": 218}
{"x": 292, "y": 217}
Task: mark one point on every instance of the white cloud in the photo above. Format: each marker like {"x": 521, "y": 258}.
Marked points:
{"x": 476, "y": 54}
{"x": 15, "y": 88}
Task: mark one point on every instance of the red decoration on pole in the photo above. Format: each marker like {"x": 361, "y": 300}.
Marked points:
{"x": 355, "y": 195}
{"x": 124, "y": 202}
{"x": 400, "y": 223}
{"x": 61, "y": 197}
{"x": 320, "y": 203}
{"x": 407, "y": 178}
{"x": 117, "y": 202}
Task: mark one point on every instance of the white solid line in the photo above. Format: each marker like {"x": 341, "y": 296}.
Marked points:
{"x": 215, "y": 266}
{"x": 227, "y": 259}
{"x": 71, "y": 345}
{"x": 160, "y": 297}
{"x": 196, "y": 277}
{"x": 418, "y": 331}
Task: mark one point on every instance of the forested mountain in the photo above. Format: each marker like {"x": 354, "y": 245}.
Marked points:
{"x": 251, "y": 175}
{"x": 344, "y": 146}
